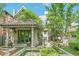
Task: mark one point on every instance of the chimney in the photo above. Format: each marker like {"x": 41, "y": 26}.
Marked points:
{"x": 14, "y": 12}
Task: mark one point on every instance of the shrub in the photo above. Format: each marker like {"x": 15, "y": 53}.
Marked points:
{"x": 77, "y": 33}
{"x": 48, "y": 51}
{"x": 74, "y": 44}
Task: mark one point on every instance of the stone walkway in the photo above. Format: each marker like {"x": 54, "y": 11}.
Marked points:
{"x": 32, "y": 54}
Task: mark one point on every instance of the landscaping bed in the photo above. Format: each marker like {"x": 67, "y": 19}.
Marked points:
{"x": 72, "y": 51}
{"x": 49, "y": 52}
{"x": 60, "y": 49}
{"x": 41, "y": 52}
{"x": 73, "y": 47}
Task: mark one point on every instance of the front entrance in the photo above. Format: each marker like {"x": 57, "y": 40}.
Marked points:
{"x": 24, "y": 36}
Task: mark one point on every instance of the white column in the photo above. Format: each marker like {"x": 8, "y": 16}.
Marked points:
{"x": 32, "y": 38}
{"x": 36, "y": 39}
{"x": 7, "y": 37}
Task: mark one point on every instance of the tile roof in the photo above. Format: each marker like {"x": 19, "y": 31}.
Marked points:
{"x": 27, "y": 22}
{"x": 19, "y": 22}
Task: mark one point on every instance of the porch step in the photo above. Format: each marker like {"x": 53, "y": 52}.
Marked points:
{"x": 20, "y": 45}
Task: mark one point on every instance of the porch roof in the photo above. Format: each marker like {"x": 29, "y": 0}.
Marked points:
{"x": 19, "y": 23}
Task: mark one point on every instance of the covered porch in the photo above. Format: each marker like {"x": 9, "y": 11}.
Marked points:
{"x": 21, "y": 33}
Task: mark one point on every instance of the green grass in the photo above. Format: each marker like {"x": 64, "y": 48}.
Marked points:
{"x": 72, "y": 51}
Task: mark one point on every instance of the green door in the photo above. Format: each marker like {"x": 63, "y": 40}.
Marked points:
{"x": 24, "y": 36}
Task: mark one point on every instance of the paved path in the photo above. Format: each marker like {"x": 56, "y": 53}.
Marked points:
{"x": 32, "y": 54}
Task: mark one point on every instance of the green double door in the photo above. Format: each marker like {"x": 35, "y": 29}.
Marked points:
{"x": 24, "y": 36}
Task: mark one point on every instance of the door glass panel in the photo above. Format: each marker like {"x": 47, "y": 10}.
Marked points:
{"x": 24, "y": 36}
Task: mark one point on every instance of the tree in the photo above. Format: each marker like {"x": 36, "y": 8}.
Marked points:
{"x": 1, "y": 8}
{"x": 55, "y": 25}
{"x": 69, "y": 16}
{"x": 59, "y": 18}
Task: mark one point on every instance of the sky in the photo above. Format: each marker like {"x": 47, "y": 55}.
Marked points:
{"x": 37, "y": 8}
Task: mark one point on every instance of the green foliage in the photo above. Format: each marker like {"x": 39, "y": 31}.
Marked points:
{"x": 59, "y": 19}
{"x": 56, "y": 22}
{"x": 74, "y": 44}
{"x": 71, "y": 33}
{"x": 1, "y": 8}
{"x": 56, "y": 25}
{"x": 48, "y": 52}
{"x": 27, "y": 14}
{"x": 77, "y": 33}
{"x": 72, "y": 51}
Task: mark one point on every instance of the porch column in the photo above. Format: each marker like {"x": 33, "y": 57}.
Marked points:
{"x": 32, "y": 38}
{"x": 7, "y": 37}
{"x": 36, "y": 39}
